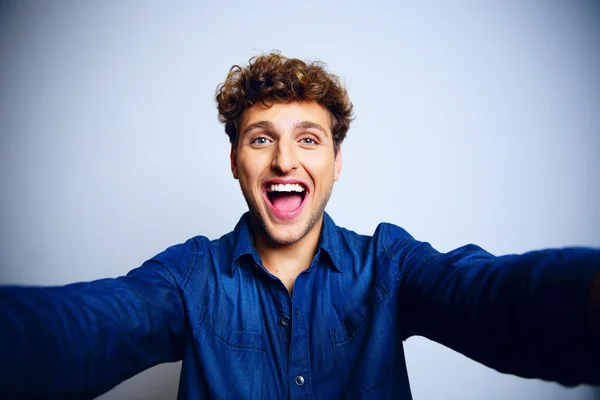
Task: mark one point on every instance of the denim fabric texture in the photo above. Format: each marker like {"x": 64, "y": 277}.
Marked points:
{"x": 339, "y": 335}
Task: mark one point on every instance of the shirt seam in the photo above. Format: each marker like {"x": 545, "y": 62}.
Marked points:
{"x": 384, "y": 244}
{"x": 191, "y": 263}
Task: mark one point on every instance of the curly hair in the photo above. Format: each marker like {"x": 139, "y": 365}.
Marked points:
{"x": 271, "y": 78}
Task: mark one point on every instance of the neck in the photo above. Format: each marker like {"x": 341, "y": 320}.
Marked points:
{"x": 287, "y": 261}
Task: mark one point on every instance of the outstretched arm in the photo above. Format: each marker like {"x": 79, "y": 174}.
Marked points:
{"x": 80, "y": 340}
{"x": 536, "y": 315}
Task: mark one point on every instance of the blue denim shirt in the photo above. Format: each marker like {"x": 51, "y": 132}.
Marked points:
{"x": 241, "y": 335}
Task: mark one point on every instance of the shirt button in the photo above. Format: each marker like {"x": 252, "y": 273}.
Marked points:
{"x": 299, "y": 380}
{"x": 285, "y": 321}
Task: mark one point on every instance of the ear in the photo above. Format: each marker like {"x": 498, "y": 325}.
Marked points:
{"x": 338, "y": 164}
{"x": 233, "y": 160}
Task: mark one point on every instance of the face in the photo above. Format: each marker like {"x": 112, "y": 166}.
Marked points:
{"x": 286, "y": 166}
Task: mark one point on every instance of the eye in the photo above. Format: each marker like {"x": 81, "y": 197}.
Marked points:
{"x": 308, "y": 141}
{"x": 261, "y": 140}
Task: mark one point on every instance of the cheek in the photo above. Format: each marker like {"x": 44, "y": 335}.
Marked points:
{"x": 320, "y": 164}
{"x": 249, "y": 170}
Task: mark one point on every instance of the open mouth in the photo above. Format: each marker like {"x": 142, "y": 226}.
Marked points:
{"x": 286, "y": 197}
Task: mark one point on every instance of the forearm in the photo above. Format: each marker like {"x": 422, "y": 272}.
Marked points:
{"x": 594, "y": 315}
{"x": 82, "y": 339}
{"x": 526, "y": 315}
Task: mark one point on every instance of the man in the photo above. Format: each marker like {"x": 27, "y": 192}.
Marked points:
{"x": 289, "y": 305}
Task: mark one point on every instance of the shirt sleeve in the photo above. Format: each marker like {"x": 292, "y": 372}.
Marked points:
{"x": 80, "y": 340}
{"x": 527, "y": 314}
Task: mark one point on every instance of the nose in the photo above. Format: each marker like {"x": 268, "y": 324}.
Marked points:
{"x": 285, "y": 159}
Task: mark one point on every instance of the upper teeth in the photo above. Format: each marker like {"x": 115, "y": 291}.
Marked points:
{"x": 288, "y": 187}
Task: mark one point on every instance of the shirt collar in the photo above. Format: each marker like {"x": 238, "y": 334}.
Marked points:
{"x": 244, "y": 248}
{"x": 329, "y": 242}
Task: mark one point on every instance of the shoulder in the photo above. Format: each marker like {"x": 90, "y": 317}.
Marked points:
{"x": 180, "y": 259}
{"x": 390, "y": 239}
{"x": 183, "y": 253}
{"x": 382, "y": 246}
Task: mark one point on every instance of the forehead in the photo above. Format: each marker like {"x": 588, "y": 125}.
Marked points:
{"x": 285, "y": 115}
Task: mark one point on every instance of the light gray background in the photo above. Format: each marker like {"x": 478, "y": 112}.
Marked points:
{"x": 475, "y": 123}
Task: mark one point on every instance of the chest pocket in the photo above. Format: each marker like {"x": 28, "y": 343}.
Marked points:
{"x": 233, "y": 362}
{"x": 362, "y": 344}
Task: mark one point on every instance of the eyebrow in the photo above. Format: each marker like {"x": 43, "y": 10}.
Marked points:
{"x": 264, "y": 125}
{"x": 269, "y": 127}
{"x": 309, "y": 125}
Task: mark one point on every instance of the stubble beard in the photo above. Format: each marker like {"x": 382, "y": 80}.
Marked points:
{"x": 259, "y": 221}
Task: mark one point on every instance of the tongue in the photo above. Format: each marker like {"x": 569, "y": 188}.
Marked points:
{"x": 287, "y": 202}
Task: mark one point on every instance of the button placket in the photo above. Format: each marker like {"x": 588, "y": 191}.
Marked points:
{"x": 299, "y": 347}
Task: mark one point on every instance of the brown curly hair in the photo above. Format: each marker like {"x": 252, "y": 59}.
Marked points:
{"x": 273, "y": 78}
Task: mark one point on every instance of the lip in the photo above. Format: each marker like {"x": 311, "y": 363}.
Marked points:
{"x": 285, "y": 216}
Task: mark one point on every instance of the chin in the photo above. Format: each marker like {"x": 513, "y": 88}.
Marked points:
{"x": 283, "y": 233}
{"x": 286, "y": 235}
